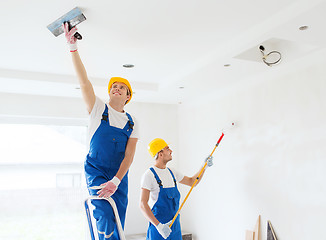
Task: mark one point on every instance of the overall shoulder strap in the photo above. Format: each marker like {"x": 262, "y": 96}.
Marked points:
{"x": 129, "y": 127}
{"x": 175, "y": 182}
{"x": 105, "y": 114}
{"x": 158, "y": 180}
{"x": 130, "y": 122}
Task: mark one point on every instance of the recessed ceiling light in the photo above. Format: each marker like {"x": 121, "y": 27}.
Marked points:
{"x": 302, "y": 28}
{"x": 227, "y": 65}
{"x": 128, "y": 65}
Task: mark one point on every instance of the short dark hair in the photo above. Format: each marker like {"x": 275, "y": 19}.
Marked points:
{"x": 156, "y": 155}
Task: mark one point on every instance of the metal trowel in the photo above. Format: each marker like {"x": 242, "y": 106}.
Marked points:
{"x": 74, "y": 17}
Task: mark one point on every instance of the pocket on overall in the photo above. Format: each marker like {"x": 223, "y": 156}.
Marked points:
{"x": 118, "y": 149}
{"x": 165, "y": 208}
{"x": 172, "y": 197}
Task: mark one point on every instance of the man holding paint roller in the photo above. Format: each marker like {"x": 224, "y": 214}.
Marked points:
{"x": 160, "y": 195}
{"x": 113, "y": 135}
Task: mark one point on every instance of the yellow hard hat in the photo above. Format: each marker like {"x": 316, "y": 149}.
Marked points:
{"x": 122, "y": 80}
{"x": 156, "y": 145}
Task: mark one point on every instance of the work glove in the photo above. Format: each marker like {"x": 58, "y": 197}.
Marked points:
{"x": 109, "y": 188}
{"x": 164, "y": 230}
{"x": 71, "y": 39}
{"x": 209, "y": 161}
{"x": 168, "y": 223}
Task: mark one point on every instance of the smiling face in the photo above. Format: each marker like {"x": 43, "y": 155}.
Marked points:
{"x": 119, "y": 91}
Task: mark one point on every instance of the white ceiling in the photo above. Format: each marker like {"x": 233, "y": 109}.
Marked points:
{"x": 172, "y": 43}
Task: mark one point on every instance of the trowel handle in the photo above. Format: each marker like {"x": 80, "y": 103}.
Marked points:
{"x": 78, "y": 36}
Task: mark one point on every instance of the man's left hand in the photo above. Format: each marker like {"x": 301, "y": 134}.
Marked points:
{"x": 109, "y": 188}
{"x": 209, "y": 161}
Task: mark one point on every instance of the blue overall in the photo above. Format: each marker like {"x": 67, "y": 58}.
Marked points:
{"x": 107, "y": 150}
{"x": 164, "y": 210}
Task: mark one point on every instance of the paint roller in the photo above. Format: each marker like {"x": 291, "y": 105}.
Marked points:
{"x": 73, "y": 18}
{"x": 226, "y": 128}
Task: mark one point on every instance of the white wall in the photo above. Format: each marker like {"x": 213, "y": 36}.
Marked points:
{"x": 20, "y": 108}
{"x": 272, "y": 163}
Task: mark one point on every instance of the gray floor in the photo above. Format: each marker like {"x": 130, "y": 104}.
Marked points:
{"x": 185, "y": 236}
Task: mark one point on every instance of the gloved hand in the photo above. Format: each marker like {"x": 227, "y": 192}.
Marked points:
{"x": 168, "y": 223}
{"x": 164, "y": 230}
{"x": 209, "y": 161}
{"x": 109, "y": 188}
{"x": 71, "y": 40}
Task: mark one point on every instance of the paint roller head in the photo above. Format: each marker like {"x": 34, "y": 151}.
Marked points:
{"x": 228, "y": 127}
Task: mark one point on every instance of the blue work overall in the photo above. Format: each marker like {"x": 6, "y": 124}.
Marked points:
{"x": 164, "y": 210}
{"x": 107, "y": 150}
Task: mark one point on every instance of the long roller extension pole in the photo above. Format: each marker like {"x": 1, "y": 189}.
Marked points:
{"x": 196, "y": 180}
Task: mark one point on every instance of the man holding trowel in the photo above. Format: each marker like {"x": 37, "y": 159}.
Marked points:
{"x": 113, "y": 135}
{"x": 160, "y": 195}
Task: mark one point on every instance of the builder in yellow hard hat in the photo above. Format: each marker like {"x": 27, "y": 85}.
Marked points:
{"x": 113, "y": 134}
{"x": 160, "y": 195}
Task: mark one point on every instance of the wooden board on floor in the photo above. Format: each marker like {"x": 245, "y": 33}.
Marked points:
{"x": 257, "y": 229}
{"x": 249, "y": 235}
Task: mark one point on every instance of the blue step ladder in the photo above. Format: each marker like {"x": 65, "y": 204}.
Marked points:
{"x": 90, "y": 216}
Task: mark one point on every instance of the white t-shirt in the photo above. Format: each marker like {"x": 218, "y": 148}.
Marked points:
{"x": 149, "y": 182}
{"x": 116, "y": 119}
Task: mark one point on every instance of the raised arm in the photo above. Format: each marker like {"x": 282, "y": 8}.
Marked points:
{"x": 85, "y": 85}
{"x": 190, "y": 180}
